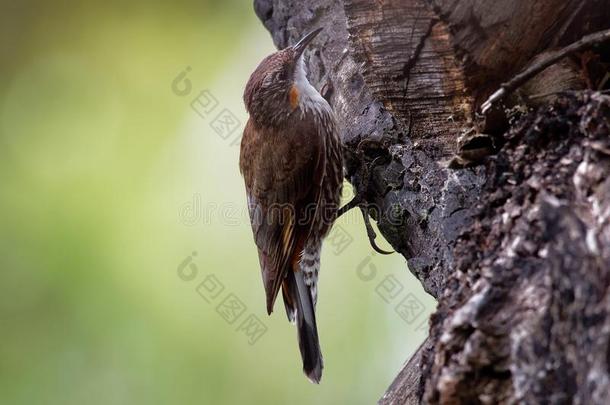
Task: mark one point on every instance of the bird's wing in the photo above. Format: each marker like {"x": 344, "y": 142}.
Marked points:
{"x": 283, "y": 172}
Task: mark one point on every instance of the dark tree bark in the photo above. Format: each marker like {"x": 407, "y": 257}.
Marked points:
{"x": 503, "y": 217}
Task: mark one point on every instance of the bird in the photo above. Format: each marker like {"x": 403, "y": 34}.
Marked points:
{"x": 292, "y": 164}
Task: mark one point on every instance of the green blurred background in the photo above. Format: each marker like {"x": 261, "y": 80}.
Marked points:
{"x": 110, "y": 180}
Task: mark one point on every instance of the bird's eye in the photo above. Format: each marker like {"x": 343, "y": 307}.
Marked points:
{"x": 282, "y": 75}
{"x": 268, "y": 80}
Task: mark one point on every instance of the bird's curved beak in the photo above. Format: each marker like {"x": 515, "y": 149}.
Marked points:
{"x": 300, "y": 46}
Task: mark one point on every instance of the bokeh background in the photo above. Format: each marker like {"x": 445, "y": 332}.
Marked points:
{"x": 119, "y": 197}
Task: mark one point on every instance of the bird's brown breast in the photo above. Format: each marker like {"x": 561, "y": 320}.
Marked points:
{"x": 293, "y": 176}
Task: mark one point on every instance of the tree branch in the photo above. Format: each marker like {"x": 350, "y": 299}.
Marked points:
{"x": 520, "y": 79}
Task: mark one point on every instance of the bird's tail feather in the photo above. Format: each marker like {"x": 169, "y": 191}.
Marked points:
{"x": 287, "y": 294}
{"x": 306, "y": 326}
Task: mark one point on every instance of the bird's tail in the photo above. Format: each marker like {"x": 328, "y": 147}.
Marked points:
{"x": 303, "y": 310}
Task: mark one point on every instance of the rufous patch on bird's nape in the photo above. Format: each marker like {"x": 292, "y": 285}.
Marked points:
{"x": 294, "y": 96}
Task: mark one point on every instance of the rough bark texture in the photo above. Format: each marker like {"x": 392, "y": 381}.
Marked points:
{"x": 505, "y": 219}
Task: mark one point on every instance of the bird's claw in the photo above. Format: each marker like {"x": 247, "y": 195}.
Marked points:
{"x": 359, "y": 201}
{"x": 371, "y": 233}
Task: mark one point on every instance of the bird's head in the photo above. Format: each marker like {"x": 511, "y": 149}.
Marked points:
{"x": 273, "y": 90}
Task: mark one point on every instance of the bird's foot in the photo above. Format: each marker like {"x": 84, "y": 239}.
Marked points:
{"x": 370, "y": 232}
{"x": 360, "y": 201}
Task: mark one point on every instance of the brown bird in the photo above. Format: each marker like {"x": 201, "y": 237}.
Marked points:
{"x": 292, "y": 165}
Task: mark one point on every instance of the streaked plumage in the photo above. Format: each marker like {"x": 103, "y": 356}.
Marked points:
{"x": 292, "y": 166}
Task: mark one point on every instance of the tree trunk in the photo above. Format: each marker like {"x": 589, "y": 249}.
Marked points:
{"x": 503, "y": 217}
